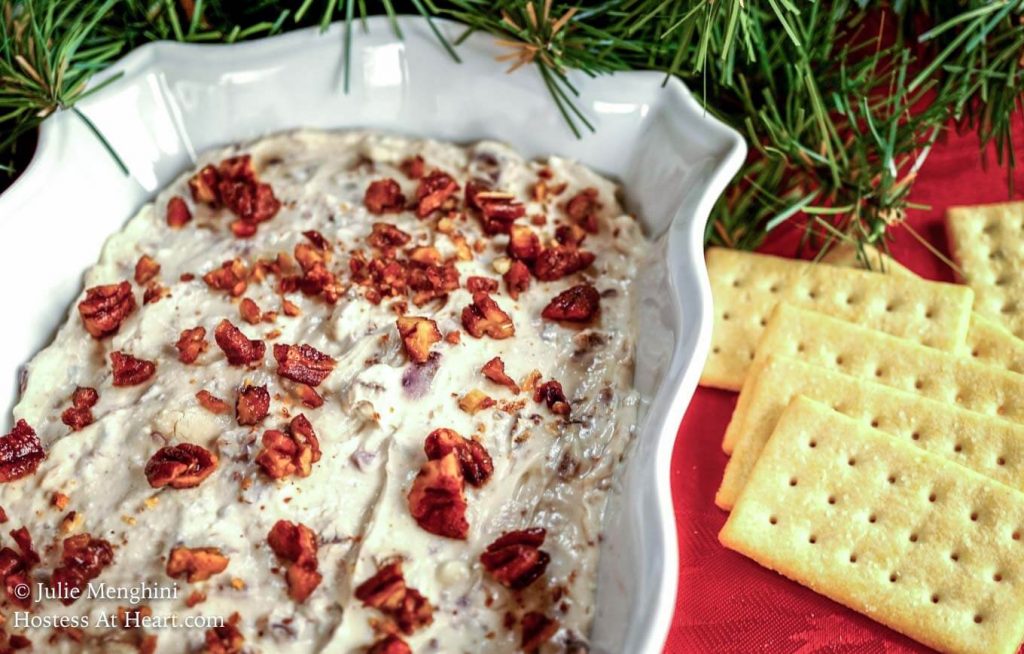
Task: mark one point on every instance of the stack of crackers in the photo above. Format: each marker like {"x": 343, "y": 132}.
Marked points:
{"x": 877, "y": 446}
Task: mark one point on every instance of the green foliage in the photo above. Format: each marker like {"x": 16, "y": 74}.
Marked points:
{"x": 841, "y": 100}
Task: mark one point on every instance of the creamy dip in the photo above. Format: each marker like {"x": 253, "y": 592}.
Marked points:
{"x": 552, "y": 468}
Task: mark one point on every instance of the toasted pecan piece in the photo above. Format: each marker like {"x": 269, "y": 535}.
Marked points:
{"x": 78, "y": 416}
{"x": 485, "y": 317}
{"x": 303, "y": 363}
{"x": 384, "y": 196}
{"x": 15, "y": 566}
{"x": 431, "y": 281}
{"x": 129, "y": 371}
{"x": 317, "y": 239}
{"x": 252, "y": 405}
{"x": 413, "y": 167}
{"x": 387, "y": 238}
{"x": 475, "y": 400}
{"x": 582, "y": 209}
{"x": 550, "y": 393}
{"x": 523, "y": 244}
{"x": 20, "y": 452}
{"x": 184, "y": 465}
{"x": 308, "y": 395}
{"x": 497, "y": 210}
{"x": 433, "y": 191}
{"x": 387, "y": 592}
{"x": 196, "y": 563}
{"x": 250, "y": 311}
{"x": 293, "y": 453}
{"x": 82, "y": 560}
{"x": 577, "y": 304}
{"x": 436, "y": 499}
{"x": 225, "y": 639}
{"x": 105, "y": 307}
{"x": 178, "y": 214}
{"x": 537, "y": 629}
{"x": 297, "y": 544}
{"x": 212, "y": 403}
{"x": 476, "y": 284}
{"x": 390, "y": 644}
{"x": 418, "y": 335}
{"x": 571, "y": 235}
{"x": 495, "y": 371}
{"x": 515, "y": 559}
{"x": 237, "y": 347}
{"x": 146, "y": 268}
{"x": 474, "y": 460}
{"x": 560, "y": 261}
{"x": 252, "y": 201}
{"x": 203, "y": 186}
{"x": 191, "y": 343}
{"x": 517, "y": 279}
{"x": 232, "y": 276}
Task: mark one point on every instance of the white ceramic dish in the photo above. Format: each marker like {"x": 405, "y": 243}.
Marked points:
{"x": 175, "y": 100}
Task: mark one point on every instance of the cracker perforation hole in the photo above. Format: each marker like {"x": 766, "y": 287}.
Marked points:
{"x": 839, "y": 359}
{"x": 853, "y": 558}
{"x": 800, "y": 347}
{"x": 975, "y": 353}
{"x": 978, "y": 619}
{"x": 891, "y": 479}
{"x": 958, "y": 448}
{"x": 879, "y": 372}
{"x": 851, "y": 462}
{"x": 875, "y": 423}
{"x": 831, "y": 499}
{"x": 763, "y": 322}
{"x": 997, "y": 577}
{"x": 812, "y": 444}
{"x": 916, "y": 436}
{"x": 1016, "y": 535}
{"x": 872, "y": 518}
{"x": 932, "y": 497}
{"x": 1001, "y": 461}
{"x": 974, "y": 516}
{"x": 918, "y": 384}
{"x": 812, "y": 539}
{"x": 726, "y": 315}
{"x": 913, "y": 538}
{"x": 773, "y": 520}
{"x": 935, "y": 599}
{"x": 893, "y": 577}
{"x": 929, "y": 313}
{"x": 716, "y": 350}
{"x": 792, "y": 481}
{"x": 954, "y": 557}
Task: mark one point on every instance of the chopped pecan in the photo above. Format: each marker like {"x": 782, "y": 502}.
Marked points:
{"x": 537, "y": 629}
{"x": 146, "y": 268}
{"x": 191, "y": 343}
{"x": 180, "y": 466}
{"x": 427, "y": 256}
{"x": 517, "y": 279}
{"x": 225, "y": 639}
{"x": 413, "y": 167}
{"x": 252, "y": 201}
{"x": 308, "y": 395}
{"x": 178, "y": 214}
{"x": 196, "y": 563}
{"x": 293, "y": 453}
{"x": 82, "y": 560}
{"x": 550, "y": 393}
{"x": 431, "y": 281}
{"x": 559, "y": 261}
{"x": 515, "y": 559}
{"x": 20, "y": 452}
{"x": 577, "y": 304}
{"x": 436, "y": 499}
{"x": 243, "y": 228}
{"x": 497, "y": 209}
{"x": 106, "y": 307}
{"x": 481, "y": 285}
{"x": 296, "y": 543}
{"x": 129, "y": 371}
{"x": 252, "y": 405}
{"x": 523, "y": 244}
{"x": 290, "y": 308}
{"x": 212, "y": 403}
{"x": 390, "y": 644}
{"x": 250, "y": 311}
{"x": 495, "y": 371}
{"x": 571, "y": 235}
{"x": 384, "y": 196}
{"x": 154, "y": 293}
{"x": 582, "y": 209}
{"x": 15, "y": 566}
{"x": 317, "y": 239}
{"x": 434, "y": 190}
{"x": 78, "y": 416}
{"x": 303, "y": 363}
{"x": 485, "y": 317}
{"x": 387, "y": 238}
{"x": 387, "y": 592}
{"x": 473, "y": 458}
{"x": 232, "y": 277}
{"x": 203, "y": 186}
{"x": 238, "y": 348}
{"x": 418, "y": 335}
{"x": 475, "y": 401}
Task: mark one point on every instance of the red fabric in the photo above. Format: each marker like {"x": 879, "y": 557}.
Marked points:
{"x": 728, "y": 604}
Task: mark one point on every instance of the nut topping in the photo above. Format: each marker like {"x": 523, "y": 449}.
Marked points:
{"x": 232, "y": 277}
{"x": 485, "y": 317}
{"x": 387, "y": 238}
{"x": 146, "y": 268}
{"x": 582, "y": 209}
{"x": 212, "y": 403}
{"x": 237, "y": 347}
{"x": 296, "y": 543}
{"x": 106, "y": 307}
{"x": 560, "y": 261}
{"x": 418, "y": 335}
{"x": 20, "y": 452}
{"x": 129, "y": 371}
{"x": 226, "y": 639}
{"x": 387, "y": 592}
{"x": 191, "y": 343}
{"x": 178, "y": 214}
{"x": 475, "y": 401}
{"x": 180, "y": 466}
{"x": 551, "y": 393}
{"x": 293, "y": 453}
{"x": 436, "y": 498}
{"x": 497, "y": 210}
{"x": 537, "y": 629}
{"x": 517, "y": 279}
{"x": 79, "y": 415}
{"x": 303, "y": 363}
{"x": 523, "y": 244}
{"x": 481, "y": 285}
{"x": 413, "y": 167}
{"x": 577, "y": 304}
{"x": 391, "y": 644}
{"x": 250, "y": 311}
{"x": 233, "y": 183}
{"x": 434, "y": 190}
{"x": 384, "y": 196}
{"x": 16, "y": 565}
{"x": 252, "y": 405}
{"x": 197, "y": 564}
{"x": 82, "y": 560}
{"x": 495, "y": 371}
{"x": 473, "y": 458}
{"x": 515, "y": 559}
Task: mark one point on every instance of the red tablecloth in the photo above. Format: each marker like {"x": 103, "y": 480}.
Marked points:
{"x": 728, "y": 604}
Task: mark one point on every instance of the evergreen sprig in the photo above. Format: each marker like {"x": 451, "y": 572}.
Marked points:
{"x": 840, "y": 100}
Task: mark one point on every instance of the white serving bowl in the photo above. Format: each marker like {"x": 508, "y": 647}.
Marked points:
{"x": 174, "y": 100}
